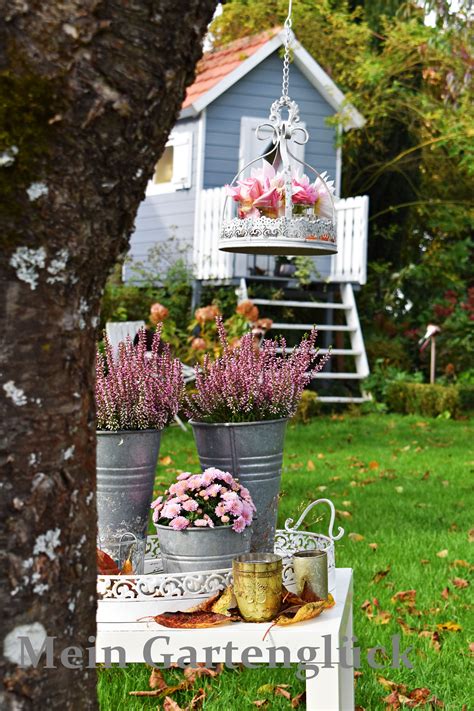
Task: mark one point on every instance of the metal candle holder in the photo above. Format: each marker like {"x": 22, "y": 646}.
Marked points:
{"x": 258, "y": 585}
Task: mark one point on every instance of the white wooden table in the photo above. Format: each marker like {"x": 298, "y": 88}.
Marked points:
{"x": 331, "y": 690}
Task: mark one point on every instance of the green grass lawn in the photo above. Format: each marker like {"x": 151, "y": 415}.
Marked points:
{"x": 402, "y": 483}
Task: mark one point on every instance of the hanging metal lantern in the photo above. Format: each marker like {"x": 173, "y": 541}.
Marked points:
{"x": 281, "y": 209}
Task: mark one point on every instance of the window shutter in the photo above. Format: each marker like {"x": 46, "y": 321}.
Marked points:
{"x": 182, "y": 160}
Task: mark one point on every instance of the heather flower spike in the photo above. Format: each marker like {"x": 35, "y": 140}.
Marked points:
{"x": 213, "y": 498}
{"x": 137, "y": 390}
{"x": 246, "y": 384}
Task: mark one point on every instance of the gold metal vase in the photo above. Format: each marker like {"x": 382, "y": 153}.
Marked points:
{"x": 258, "y": 585}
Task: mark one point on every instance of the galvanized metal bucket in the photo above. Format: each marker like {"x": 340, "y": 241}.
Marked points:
{"x": 195, "y": 549}
{"x": 252, "y": 452}
{"x": 126, "y": 465}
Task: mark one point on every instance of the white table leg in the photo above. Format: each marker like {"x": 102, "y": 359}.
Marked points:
{"x": 347, "y": 673}
{"x": 322, "y": 691}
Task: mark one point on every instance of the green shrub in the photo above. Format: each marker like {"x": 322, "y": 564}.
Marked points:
{"x": 389, "y": 351}
{"x": 466, "y": 396}
{"x": 308, "y": 407}
{"x": 383, "y": 375}
{"x": 417, "y": 398}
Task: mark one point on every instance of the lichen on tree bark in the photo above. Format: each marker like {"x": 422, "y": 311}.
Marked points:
{"x": 89, "y": 92}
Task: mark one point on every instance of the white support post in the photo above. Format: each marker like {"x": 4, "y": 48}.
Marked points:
{"x": 357, "y": 340}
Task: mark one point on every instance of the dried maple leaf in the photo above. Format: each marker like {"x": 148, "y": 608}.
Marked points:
{"x": 193, "y": 673}
{"x": 356, "y": 537}
{"x": 191, "y": 620}
{"x": 449, "y": 627}
{"x": 380, "y": 575}
{"x": 343, "y": 514}
{"x": 281, "y": 691}
{"x": 105, "y": 564}
{"x": 157, "y": 680}
{"x": 405, "y": 596}
{"x": 127, "y": 567}
{"x": 405, "y": 626}
{"x": 461, "y": 564}
{"x": 460, "y": 583}
{"x": 389, "y": 684}
{"x": 298, "y": 699}
{"x": 382, "y": 618}
{"x": 221, "y": 602}
{"x": 299, "y": 613}
{"x": 197, "y": 700}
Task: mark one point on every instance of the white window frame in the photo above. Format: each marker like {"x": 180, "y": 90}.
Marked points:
{"x": 177, "y": 140}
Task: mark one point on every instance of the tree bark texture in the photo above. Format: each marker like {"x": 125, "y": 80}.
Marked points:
{"x": 89, "y": 92}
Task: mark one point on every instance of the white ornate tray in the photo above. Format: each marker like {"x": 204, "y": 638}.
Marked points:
{"x": 157, "y": 584}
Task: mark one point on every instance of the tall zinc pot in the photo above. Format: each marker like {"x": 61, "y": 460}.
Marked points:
{"x": 126, "y": 464}
{"x": 253, "y": 453}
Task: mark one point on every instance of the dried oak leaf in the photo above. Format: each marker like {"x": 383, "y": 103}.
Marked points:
{"x": 105, "y": 564}
{"x": 191, "y": 620}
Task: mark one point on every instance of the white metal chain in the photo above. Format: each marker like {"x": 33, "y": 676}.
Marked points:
{"x": 286, "y": 57}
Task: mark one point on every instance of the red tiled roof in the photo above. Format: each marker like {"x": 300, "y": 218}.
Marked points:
{"x": 217, "y": 64}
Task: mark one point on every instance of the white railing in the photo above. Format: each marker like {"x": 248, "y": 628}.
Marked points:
{"x": 209, "y": 261}
{"x": 348, "y": 265}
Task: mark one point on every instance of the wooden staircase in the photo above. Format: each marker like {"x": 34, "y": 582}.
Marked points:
{"x": 347, "y": 328}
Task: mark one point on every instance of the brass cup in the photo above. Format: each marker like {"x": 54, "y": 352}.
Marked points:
{"x": 258, "y": 585}
{"x": 311, "y": 573}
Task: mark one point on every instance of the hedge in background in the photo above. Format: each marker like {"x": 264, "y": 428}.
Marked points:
{"x": 428, "y": 400}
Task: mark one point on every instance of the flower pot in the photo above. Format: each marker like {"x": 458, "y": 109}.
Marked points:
{"x": 252, "y": 452}
{"x": 195, "y": 549}
{"x": 126, "y": 465}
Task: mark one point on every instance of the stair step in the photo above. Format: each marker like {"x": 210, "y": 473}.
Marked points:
{"x": 300, "y": 304}
{"x": 339, "y": 376}
{"x": 334, "y": 351}
{"x": 309, "y": 326}
{"x": 329, "y": 398}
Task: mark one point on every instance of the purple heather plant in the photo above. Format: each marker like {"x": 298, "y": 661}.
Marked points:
{"x": 137, "y": 390}
{"x": 247, "y": 384}
{"x": 213, "y": 498}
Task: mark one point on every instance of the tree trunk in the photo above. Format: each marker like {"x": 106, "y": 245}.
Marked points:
{"x": 89, "y": 92}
